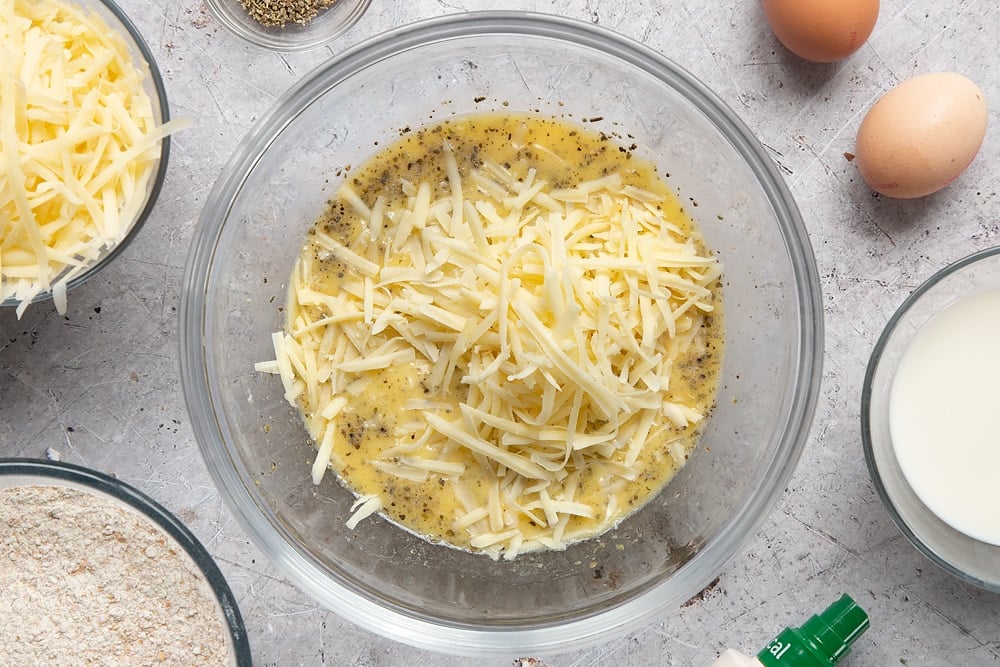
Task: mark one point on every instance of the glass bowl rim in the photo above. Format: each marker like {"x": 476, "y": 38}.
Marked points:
{"x": 470, "y": 639}
{"x": 106, "y": 485}
{"x": 867, "y": 442}
{"x": 161, "y": 168}
{"x": 305, "y": 40}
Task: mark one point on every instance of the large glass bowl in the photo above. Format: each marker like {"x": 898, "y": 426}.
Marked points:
{"x": 379, "y": 576}
{"x": 152, "y": 83}
{"x": 965, "y": 557}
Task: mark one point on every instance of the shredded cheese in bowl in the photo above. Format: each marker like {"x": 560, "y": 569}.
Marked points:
{"x": 79, "y": 144}
{"x": 503, "y": 349}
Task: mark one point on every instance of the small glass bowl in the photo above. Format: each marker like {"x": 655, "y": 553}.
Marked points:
{"x": 971, "y": 560}
{"x": 16, "y": 472}
{"x": 142, "y": 58}
{"x": 326, "y": 26}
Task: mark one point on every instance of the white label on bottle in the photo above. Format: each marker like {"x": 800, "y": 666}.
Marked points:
{"x": 778, "y": 649}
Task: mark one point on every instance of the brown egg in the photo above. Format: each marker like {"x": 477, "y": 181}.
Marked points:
{"x": 921, "y": 135}
{"x": 823, "y": 31}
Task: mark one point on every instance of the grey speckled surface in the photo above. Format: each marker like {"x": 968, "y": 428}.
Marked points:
{"x": 101, "y": 385}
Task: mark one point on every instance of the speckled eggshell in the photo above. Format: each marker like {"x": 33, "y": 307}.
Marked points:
{"x": 921, "y": 135}
{"x": 823, "y": 31}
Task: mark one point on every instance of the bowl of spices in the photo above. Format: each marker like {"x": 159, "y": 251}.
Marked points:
{"x": 480, "y": 357}
{"x": 288, "y": 25}
{"x": 929, "y": 422}
{"x": 97, "y": 570}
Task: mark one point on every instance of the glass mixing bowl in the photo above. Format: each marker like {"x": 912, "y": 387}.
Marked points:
{"x": 384, "y": 578}
{"x": 967, "y": 558}
{"x": 152, "y": 84}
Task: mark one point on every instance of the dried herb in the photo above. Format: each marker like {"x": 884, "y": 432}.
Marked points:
{"x": 278, "y": 13}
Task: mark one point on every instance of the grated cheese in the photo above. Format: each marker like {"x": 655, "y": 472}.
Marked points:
{"x": 78, "y": 145}
{"x": 560, "y": 311}
{"x": 363, "y": 508}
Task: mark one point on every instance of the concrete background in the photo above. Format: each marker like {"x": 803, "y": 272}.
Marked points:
{"x": 101, "y": 385}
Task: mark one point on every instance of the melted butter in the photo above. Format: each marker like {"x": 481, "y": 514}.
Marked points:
{"x": 563, "y": 155}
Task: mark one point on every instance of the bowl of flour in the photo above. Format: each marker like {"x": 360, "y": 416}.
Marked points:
{"x": 94, "y": 569}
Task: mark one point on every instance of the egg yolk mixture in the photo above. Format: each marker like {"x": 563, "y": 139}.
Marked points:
{"x": 504, "y": 334}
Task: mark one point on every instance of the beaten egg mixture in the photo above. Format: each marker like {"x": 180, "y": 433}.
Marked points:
{"x": 504, "y": 334}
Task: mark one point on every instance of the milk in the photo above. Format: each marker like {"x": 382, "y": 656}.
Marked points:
{"x": 944, "y": 415}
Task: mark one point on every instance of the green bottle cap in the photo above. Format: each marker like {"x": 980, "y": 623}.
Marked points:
{"x": 821, "y": 641}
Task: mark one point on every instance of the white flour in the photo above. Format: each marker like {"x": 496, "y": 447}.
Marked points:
{"x": 86, "y": 581}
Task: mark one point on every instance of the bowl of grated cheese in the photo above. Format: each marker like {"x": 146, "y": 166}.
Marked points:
{"x": 490, "y": 363}
{"x": 84, "y": 131}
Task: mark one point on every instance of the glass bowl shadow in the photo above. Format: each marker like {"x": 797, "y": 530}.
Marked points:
{"x": 384, "y": 578}
{"x": 969, "y": 559}
{"x": 143, "y": 59}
